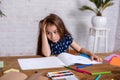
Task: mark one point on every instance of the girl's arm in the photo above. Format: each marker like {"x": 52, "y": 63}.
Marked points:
{"x": 79, "y": 49}
{"x": 45, "y": 45}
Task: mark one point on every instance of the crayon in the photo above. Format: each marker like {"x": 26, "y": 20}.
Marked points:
{"x": 98, "y": 77}
{"x": 78, "y": 70}
{"x": 85, "y": 65}
{"x": 97, "y": 73}
{"x": 60, "y": 75}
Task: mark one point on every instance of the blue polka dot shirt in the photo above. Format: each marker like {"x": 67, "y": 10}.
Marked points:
{"x": 61, "y": 46}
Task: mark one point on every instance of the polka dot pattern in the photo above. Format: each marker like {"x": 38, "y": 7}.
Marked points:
{"x": 61, "y": 46}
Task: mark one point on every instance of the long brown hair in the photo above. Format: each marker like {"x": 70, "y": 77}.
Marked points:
{"x": 52, "y": 19}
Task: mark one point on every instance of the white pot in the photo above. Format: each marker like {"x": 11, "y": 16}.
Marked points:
{"x": 99, "y": 21}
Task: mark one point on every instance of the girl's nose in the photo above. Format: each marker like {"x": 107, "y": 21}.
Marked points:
{"x": 53, "y": 35}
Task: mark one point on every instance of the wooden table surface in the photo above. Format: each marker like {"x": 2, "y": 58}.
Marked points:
{"x": 11, "y": 62}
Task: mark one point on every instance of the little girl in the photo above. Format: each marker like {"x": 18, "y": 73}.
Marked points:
{"x": 55, "y": 38}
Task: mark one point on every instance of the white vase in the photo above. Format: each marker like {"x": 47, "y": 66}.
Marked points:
{"x": 99, "y": 21}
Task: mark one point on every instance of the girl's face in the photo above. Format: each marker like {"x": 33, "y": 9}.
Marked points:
{"x": 52, "y": 33}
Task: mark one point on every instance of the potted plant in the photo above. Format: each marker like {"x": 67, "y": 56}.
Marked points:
{"x": 100, "y": 6}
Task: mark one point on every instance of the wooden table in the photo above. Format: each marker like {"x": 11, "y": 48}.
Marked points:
{"x": 11, "y": 62}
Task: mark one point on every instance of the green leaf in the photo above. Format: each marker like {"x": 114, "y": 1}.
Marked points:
{"x": 86, "y": 8}
{"x": 106, "y": 4}
{"x": 1, "y": 13}
{"x": 97, "y": 3}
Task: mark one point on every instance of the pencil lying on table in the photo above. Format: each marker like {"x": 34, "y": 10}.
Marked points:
{"x": 105, "y": 72}
{"x": 78, "y": 70}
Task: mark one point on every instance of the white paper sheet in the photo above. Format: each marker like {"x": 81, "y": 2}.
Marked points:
{"x": 40, "y": 63}
{"x": 70, "y": 59}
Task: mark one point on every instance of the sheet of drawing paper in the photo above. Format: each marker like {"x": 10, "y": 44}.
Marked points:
{"x": 14, "y": 76}
{"x": 115, "y": 61}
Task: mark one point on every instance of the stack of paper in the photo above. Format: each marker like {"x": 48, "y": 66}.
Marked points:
{"x": 113, "y": 59}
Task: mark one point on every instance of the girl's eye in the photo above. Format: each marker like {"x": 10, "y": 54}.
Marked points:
{"x": 48, "y": 32}
{"x": 55, "y": 32}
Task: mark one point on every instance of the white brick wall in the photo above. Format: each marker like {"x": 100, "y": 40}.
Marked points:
{"x": 19, "y": 29}
{"x": 117, "y": 37}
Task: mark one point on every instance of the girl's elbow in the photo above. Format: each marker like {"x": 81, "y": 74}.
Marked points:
{"x": 46, "y": 54}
